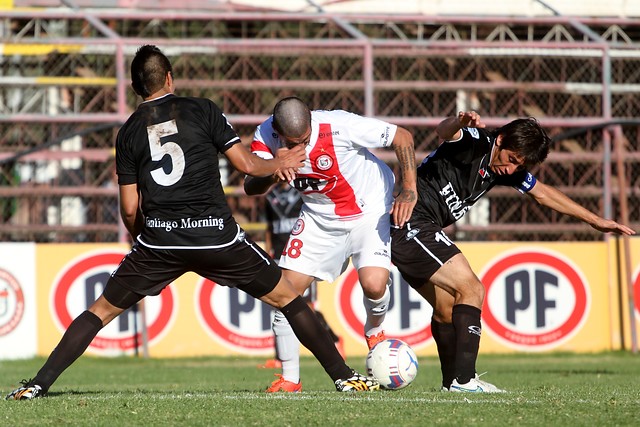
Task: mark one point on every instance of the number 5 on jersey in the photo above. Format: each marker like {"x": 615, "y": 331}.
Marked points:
{"x": 159, "y": 150}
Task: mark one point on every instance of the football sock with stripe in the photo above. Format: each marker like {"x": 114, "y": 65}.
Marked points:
{"x": 314, "y": 337}
{"x": 376, "y": 312}
{"x": 466, "y": 321}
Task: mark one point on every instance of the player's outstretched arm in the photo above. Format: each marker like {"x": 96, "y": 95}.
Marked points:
{"x": 254, "y": 185}
{"x": 284, "y": 165}
{"x": 405, "y": 201}
{"x": 553, "y": 198}
{"x": 449, "y": 128}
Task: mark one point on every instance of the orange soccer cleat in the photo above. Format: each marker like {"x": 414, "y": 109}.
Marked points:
{"x": 375, "y": 339}
{"x": 285, "y": 386}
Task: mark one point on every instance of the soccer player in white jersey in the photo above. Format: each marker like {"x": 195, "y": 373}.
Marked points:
{"x": 348, "y": 195}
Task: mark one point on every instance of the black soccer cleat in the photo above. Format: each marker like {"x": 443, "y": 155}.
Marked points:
{"x": 28, "y": 391}
{"x": 357, "y": 382}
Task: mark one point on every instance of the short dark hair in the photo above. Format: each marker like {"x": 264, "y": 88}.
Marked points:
{"x": 149, "y": 70}
{"x": 526, "y": 138}
{"x": 291, "y": 117}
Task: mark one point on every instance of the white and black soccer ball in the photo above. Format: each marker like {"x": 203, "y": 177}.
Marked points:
{"x": 393, "y": 363}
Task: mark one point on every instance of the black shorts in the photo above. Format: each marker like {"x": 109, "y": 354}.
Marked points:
{"x": 419, "y": 249}
{"x": 147, "y": 271}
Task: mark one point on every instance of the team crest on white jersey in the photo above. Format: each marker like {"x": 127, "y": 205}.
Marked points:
{"x": 324, "y": 162}
{"x": 298, "y": 227}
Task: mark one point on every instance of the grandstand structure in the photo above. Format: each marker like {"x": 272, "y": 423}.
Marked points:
{"x": 64, "y": 92}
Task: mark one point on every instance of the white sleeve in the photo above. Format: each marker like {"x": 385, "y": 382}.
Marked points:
{"x": 265, "y": 141}
{"x": 368, "y": 132}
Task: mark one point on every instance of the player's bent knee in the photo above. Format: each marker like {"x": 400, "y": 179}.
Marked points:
{"x": 281, "y": 295}
{"x": 374, "y": 287}
{"x": 105, "y": 310}
{"x": 473, "y": 293}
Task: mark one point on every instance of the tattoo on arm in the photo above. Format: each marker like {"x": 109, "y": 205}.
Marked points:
{"x": 406, "y": 157}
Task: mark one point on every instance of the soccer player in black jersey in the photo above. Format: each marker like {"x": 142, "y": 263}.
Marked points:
{"x": 469, "y": 162}
{"x": 174, "y": 207}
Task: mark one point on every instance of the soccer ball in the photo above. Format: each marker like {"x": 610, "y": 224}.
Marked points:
{"x": 393, "y": 363}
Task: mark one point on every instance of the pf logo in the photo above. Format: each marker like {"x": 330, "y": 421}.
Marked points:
{"x": 234, "y": 318}
{"x": 11, "y": 302}
{"x": 81, "y": 282}
{"x": 408, "y": 317}
{"x": 534, "y": 300}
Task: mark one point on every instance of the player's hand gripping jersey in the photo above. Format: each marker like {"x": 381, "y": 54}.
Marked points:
{"x": 340, "y": 178}
{"x": 454, "y": 176}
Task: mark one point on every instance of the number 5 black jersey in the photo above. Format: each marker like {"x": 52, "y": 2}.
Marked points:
{"x": 169, "y": 147}
{"x": 454, "y": 176}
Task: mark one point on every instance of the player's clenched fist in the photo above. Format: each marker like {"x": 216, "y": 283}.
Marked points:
{"x": 470, "y": 119}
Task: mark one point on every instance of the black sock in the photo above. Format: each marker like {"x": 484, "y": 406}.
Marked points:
{"x": 444, "y": 334}
{"x": 73, "y": 343}
{"x": 314, "y": 337}
{"x": 466, "y": 321}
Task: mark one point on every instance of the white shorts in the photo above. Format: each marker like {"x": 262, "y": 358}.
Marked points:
{"x": 321, "y": 248}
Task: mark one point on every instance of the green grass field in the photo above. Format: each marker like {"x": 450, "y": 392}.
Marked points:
{"x": 544, "y": 390}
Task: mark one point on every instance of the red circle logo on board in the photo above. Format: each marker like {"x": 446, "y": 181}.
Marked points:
{"x": 11, "y": 302}
{"x": 534, "y": 300}
{"x": 234, "y": 318}
{"x": 408, "y": 317}
{"x": 81, "y": 282}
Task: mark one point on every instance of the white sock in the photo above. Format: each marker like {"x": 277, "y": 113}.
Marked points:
{"x": 376, "y": 311}
{"x": 288, "y": 348}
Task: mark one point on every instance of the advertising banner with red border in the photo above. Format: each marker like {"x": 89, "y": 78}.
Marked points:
{"x": 191, "y": 317}
{"x": 544, "y": 296}
{"x": 71, "y": 277}
{"x": 540, "y": 297}
{"x": 18, "y": 305}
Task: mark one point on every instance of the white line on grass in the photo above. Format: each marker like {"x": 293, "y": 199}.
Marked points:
{"x": 506, "y": 399}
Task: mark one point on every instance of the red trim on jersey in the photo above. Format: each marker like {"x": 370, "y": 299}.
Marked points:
{"x": 260, "y": 146}
{"x": 341, "y": 193}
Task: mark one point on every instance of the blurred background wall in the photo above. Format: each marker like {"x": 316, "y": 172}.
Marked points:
{"x": 64, "y": 91}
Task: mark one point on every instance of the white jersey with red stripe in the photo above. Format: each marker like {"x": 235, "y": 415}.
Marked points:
{"x": 340, "y": 178}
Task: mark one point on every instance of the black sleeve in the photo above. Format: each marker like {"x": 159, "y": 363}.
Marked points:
{"x": 125, "y": 160}
{"x": 465, "y": 149}
{"x": 222, "y": 133}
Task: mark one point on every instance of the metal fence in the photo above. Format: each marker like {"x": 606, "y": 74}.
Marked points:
{"x": 64, "y": 90}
